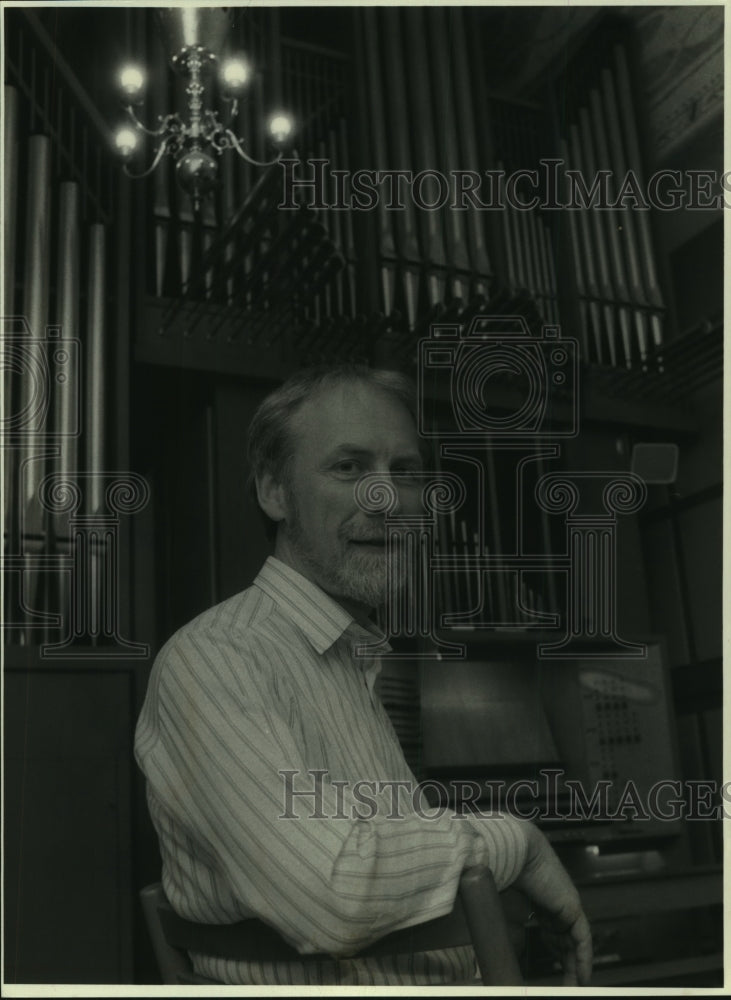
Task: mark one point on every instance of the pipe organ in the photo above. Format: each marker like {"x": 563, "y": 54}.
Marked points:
{"x": 249, "y": 287}
{"x": 616, "y": 280}
{"x": 413, "y": 102}
{"x": 59, "y": 320}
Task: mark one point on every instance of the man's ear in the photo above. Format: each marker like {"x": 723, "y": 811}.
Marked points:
{"x": 271, "y": 496}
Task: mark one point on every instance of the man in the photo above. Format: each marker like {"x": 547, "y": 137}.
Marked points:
{"x": 256, "y": 694}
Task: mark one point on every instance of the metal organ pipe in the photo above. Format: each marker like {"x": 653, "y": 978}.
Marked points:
{"x": 96, "y": 402}
{"x": 35, "y": 309}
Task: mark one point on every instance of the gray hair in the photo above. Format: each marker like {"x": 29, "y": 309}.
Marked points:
{"x": 270, "y": 444}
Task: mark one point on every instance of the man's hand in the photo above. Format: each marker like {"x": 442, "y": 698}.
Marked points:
{"x": 558, "y": 906}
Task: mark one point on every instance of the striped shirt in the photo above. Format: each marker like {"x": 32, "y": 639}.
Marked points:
{"x": 243, "y": 704}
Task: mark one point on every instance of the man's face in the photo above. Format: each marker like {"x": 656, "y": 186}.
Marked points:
{"x": 341, "y": 434}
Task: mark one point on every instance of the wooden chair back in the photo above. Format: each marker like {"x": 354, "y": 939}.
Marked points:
{"x": 477, "y": 919}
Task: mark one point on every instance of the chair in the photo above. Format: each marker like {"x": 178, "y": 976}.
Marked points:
{"x": 477, "y": 919}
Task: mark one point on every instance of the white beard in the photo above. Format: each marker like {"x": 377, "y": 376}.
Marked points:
{"x": 366, "y": 577}
{"x": 369, "y": 578}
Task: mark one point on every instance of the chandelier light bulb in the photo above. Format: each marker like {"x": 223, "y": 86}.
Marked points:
{"x": 126, "y": 140}
{"x": 280, "y": 126}
{"x": 235, "y": 73}
{"x": 131, "y": 82}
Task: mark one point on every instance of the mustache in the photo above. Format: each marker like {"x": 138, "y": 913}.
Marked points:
{"x": 364, "y": 533}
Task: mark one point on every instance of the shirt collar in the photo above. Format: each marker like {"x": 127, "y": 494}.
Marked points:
{"x": 313, "y": 611}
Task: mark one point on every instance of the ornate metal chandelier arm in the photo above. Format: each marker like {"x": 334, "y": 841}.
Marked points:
{"x": 233, "y": 110}
{"x": 162, "y": 149}
{"x": 165, "y": 123}
{"x": 210, "y": 127}
{"x": 236, "y": 144}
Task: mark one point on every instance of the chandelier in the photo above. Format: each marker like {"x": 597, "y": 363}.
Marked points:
{"x": 194, "y": 38}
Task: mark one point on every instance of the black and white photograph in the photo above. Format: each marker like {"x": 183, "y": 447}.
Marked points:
{"x": 362, "y": 489}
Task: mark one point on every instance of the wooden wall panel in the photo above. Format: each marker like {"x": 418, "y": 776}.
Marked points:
{"x": 664, "y": 590}
{"x": 242, "y": 544}
{"x": 702, "y": 534}
{"x": 68, "y": 761}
